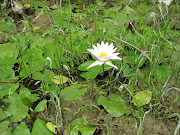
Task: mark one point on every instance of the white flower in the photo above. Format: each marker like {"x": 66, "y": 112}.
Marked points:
{"x": 167, "y": 2}
{"x": 103, "y": 53}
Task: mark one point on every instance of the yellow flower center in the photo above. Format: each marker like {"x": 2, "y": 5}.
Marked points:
{"x": 103, "y": 54}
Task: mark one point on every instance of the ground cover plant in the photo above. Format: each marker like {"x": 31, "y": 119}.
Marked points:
{"x": 95, "y": 67}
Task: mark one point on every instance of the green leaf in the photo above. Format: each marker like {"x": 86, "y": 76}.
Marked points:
{"x": 43, "y": 42}
{"x": 4, "y": 126}
{"x": 115, "y": 106}
{"x": 27, "y": 96}
{"x": 6, "y": 73}
{"x": 54, "y": 89}
{"x": 73, "y": 92}
{"x": 41, "y": 106}
{"x": 48, "y": 76}
{"x": 3, "y": 114}
{"x": 6, "y": 26}
{"x": 37, "y": 76}
{"x": 83, "y": 66}
{"x": 8, "y": 61}
{"x": 7, "y": 88}
{"x": 21, "y": 129}
{"x": 39, "y": 128}
{"x": 92, "y": 72}
{"x": 8, "y": 49}
{"x": 26, "y": 101}
{"x": 7, "y": 132}
{"x": 90, "y": 75}
{"x": 115, "y": 8}
{"x": 142, "y": 98}
{"x": 24, "y": 73}
{"x": 52, "y": 49}
{"x": 59, "y": 79}
{"x": 17, "y": 109}
{"x": 82, "y": 126}
{"x": 163, "y": 72}
{"x": 51, "y": 127}
{"x": 128, "y": 10}
{"x": 55, "y": 6}
{"x": 122, "y": 19}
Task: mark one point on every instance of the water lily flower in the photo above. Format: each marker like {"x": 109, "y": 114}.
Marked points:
{"x": 167, "y": 2}
{"x": 104, "y": 52}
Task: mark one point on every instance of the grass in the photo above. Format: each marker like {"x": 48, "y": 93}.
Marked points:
{"x": 145, "y": 35}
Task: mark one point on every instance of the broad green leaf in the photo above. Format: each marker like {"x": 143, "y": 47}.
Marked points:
{"x": 24, "y": 73}
{"x": 6, "y": 73}
{"x": 128, "y": 10}
{"x": 53, "y": 49}
{"x": 24, "y": 92}
{"x": 82, "y": 126}
{"x": 122, "y": 19}
{"x": 142, "y": 98}
{"x": 90, "y": 75}
{"x": 27, "y": 97}
{"x": 9, "y": 49}
{"x": 7, "y": 132}
{"x": 115, "y": 8}
{"x": 54, "y": 89}
{"x": 39, "y": 128}
{"x": 4, "y": 125}
{"x": 7, "y": 26}
{"x": 16, "y": 108}
{"x": 59, "y": 79}
{"x": 26, "y": 101}
{"x": 21, "y": 129}
{"x": 83, "y": 66}
{"x": 48, "y": 76}
{"x": 115, "y": 106}
{"x": 33, "y": 97}
{"x": 9, "y": 61}
{"x": 42, "y": 42}
{"x": 3, "y": 114}
{"x": 32, "y": 54}
{"x": 18, "y": 111}
{"x": 7, "y": 88}
{"x": 163, "y": 72}
{"x": 37, "y": 76}
{"x": 55, "y": 6}
{"x": 92, "y": 72}
{"x": 41, "y": 106}
{"x": 33, "y": 66}
{"x": 73, "y": 92}
{"x": 51, "y": 127}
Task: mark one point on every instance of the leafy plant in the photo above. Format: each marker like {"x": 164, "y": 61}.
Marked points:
{"x": 73, "y": 92}
{"x": 82, "y": 126}
{"x": 115, "y": 105}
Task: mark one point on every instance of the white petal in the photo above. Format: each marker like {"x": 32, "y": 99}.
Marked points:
{"x": 110, "y": 64}
{"x": 102, "y": 43}
{"x": 103, "y": 59}
{"x": 98, "y": 46}
{"x": 115, "y": 57}
{"x": 95, "y": 48}
{"x": 95, "y": 64}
